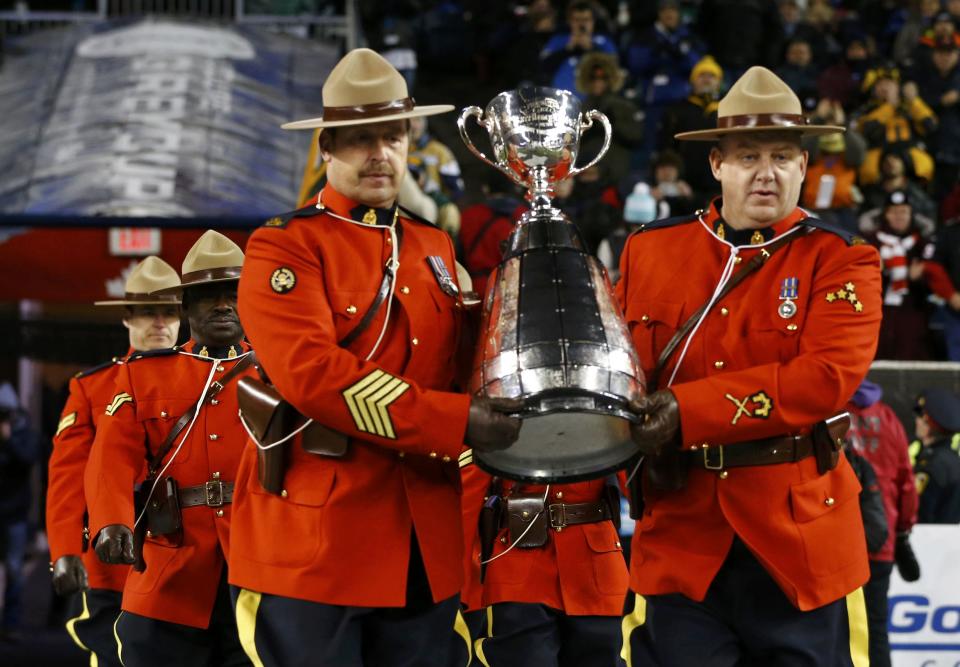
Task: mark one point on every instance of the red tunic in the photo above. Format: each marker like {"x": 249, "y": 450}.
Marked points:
{"x": 751, "y": 373}
{"x": 152, "y": 391}
{"x": 341, "y": 535}
{"x": 90, "y": 394}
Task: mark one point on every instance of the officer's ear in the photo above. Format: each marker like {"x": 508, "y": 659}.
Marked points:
{"x": 327, "y": 142}
{"x": 716, "y": 159}
{"x": 127, "y": 314}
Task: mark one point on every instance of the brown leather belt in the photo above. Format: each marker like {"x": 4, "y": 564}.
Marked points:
{"x": 561, "y": 515}
{"x": 211, "y": 494}
{"x": 768, "y": 451}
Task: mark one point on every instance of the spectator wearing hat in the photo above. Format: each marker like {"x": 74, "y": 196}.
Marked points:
{"x": 896, "y": 173}
{"x": 761, "y": 360}
{"x": 599, "y": 81}
{"x": 830, "y": 187}
{"x": 894, "y": 119}
{"x": 19, "y": 451}
{"x": 943, "y": 30}
{"x": 938, "y": 466}
{"x": 910, "y": 274}
{"x": 842, "y": 80}
{"x": 357, "y": 312}
{"x": 153, "y": 323}
{"x": 919, "y": 22}
{"x": 697, "y": 112}
{"x": 177, "y": 409}
{"x": 939, "y": 85}
{"x": 562, "y": 53}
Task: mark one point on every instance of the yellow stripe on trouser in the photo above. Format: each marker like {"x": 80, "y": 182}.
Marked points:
{"x": 631, "y": 622}
{"x": 460, "y": 627}
{"x": 857, "y": 621}
{"x": 247, "y": 604}
{"x": 72, "y": 631}
{"x": 116, "y": 638}
{"x": 478, "y": 645}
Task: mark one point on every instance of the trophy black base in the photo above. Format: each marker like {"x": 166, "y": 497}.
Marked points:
{"x": 563, "y": 447}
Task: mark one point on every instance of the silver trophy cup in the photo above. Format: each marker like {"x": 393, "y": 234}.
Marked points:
{"x": 552, "y": 333}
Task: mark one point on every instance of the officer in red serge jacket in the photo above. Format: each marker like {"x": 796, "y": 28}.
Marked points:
{"x": 364, "y": 549}
{"x": 177, "y": 610}
{"x": 153, "y": 323}
{"x": 556, "y": 603}
{"x": 745, "y": 489}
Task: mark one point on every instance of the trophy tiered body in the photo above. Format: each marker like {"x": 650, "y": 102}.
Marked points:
{"x": 552, "y": 333}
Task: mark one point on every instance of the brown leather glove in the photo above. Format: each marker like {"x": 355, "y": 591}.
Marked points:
{"x": 488, "y": 428}
{"x": 660, "y": 425}
{"x": 115, "y": 545}
{"x": 69, "y": 575}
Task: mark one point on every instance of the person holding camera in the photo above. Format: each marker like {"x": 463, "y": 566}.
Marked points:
{"x": 177, "y": 409}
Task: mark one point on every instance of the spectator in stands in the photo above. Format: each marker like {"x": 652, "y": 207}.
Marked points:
{"x": 669, "y": 186}
{"x": 947, "y": 316}
{"x": 485, "y": 227}
{"x": 591, "y": 201}
{"x": 830, "y": 187}
{"x": 914, "y": 29}
{"x": 795, "y": 27}
{"x": 697, "y": 112}
{"x": 939, "y": 85}
{"x": 19, "y": 448}
{"x": 562, "y": 54}
{"x": 741, "y": 33}
{"x": 438, "y": 174}
{"x": 800, "y": 72}
{"x": 877, "y": 434}
{"x": 938, "y": 466}
{"x": 843, "y": 80}
{"x": 515, "y": 45}
{"x": 599, "y": 80}
{"x": 943, "y": 30}
{"x": 896, "y": 173}
{"x": 894, "y": 119}
{"x": 910, "y": 273}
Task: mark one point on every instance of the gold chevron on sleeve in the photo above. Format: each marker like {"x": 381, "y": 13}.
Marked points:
{"x": 466, "y": 458}
{"x": 117, "y": 401}
{"x": 369, "y": 399}
{"x": 66, "y": 422}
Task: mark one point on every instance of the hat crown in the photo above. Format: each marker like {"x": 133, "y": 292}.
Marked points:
{"x": 759, "y": 91}
{"x": 363, "y": 77}
{"x": 212, "y": 250}
{"x": 150, "y": 275}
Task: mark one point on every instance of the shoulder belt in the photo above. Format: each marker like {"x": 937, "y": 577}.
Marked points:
{"x": 665, "y": 222}
{"x": 407, "y": 213}
{"x": 281, "y": 221}
{"x": 846, "y": 235}
{"x": 137, "y": 356}
{"x": 96, "y": 369}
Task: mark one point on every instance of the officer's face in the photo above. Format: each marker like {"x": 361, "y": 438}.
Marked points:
{"x": 212, "y": 313}
{"x": 366, "y": 163}
{"x": 760, "y": 177}
{"x": 152, "y": 327}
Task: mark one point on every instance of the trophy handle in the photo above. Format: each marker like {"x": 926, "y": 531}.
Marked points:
{"x": 585, "y": 125}
{"x": 477, "y": 114}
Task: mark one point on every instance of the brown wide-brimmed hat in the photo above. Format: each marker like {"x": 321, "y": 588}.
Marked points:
{"x": 213, "y": 259}
{"x": 147, "y": 277}
{"x": 365, "y": 88}
{"x": 759, "y": 101}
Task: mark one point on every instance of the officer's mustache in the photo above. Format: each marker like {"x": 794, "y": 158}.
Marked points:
{"x": 377, "y": 172}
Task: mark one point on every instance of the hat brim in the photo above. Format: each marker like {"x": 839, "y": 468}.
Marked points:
{"x": 194, "y": 283}
{"x": 314, "y": 123}
{"x": 140, "y": 302}
{"x": 719, "y": 133}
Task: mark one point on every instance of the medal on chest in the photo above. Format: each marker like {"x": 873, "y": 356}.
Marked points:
{"x": 788, "y": 292}
{"x": 442, "y": 274}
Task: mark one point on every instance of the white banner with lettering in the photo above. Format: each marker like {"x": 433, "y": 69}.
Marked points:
{"x": 925, "y": 615}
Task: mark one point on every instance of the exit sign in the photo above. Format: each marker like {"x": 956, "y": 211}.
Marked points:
{"x": 134, "y": 241}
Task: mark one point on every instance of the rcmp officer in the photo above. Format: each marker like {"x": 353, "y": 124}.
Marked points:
{"x": 178, "y": 409}
{"x": 153, "y": 322}
{"x": 555, "y": 578}
{"x": 938, "y": 467}
{"x": 751, "y": 540}
{"x": 355, "y": 311}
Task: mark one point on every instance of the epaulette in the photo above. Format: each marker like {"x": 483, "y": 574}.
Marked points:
{"x": 96, "y": 369}
{"x": 664, "y": 223}
{"x": 281, "y": 221}
{"x": 407, "y": 213}
{"x": 845, "y": 234}
{"x": 137, "y": 356}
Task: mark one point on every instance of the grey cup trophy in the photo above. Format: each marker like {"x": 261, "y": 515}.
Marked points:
{"x": 552, "y": 333}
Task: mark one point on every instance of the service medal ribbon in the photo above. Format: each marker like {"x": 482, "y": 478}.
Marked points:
{"x": 442, "y": 274}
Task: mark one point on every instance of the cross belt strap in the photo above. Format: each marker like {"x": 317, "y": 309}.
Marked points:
{"x": 389, "y": 275}
{"x": 212, "y": 494}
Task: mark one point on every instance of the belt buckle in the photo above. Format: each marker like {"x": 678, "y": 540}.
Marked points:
{"x": 213, "y": 492}
{"x": 558, "y": 516}
{"x": 706, "y": 458}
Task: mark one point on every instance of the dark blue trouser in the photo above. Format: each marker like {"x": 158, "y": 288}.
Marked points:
{"x": 278, "y": 631}
{"x": 91, "y": 626}
{"x": 745, "y": 620}
{"x": 875, "y": 593}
